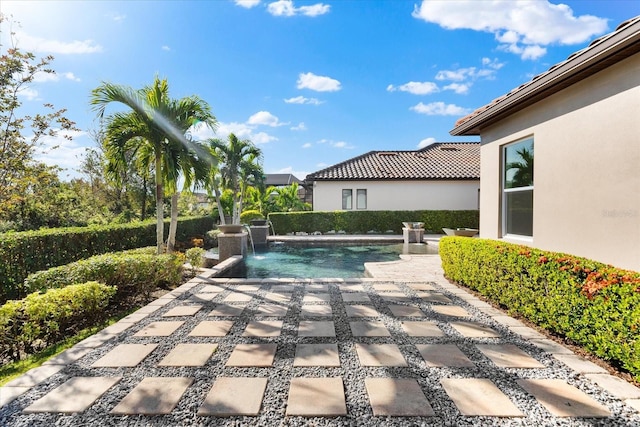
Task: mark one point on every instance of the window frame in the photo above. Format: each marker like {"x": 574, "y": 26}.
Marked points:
{"x": 358, "y": 192}
{"x": 347, "y": 206}
{"x": 504, "y": 191}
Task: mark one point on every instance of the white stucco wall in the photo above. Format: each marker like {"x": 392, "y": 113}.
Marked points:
{"x": 586, "y": 168}
{"x": 399, "y": 195}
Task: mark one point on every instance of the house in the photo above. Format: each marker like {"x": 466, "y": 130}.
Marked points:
{"x": 286, "y": 179}
{"x": 441, "y": 176}
{"x": 560, "y": 155}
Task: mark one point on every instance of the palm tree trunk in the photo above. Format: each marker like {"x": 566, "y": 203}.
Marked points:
{"x": 216, "y": 191}
{"x": 173, "y": 225}
{"x": 159, "y": 206}
{"x": 143, "y": 208}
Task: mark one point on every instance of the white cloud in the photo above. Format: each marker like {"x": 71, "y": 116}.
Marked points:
{"x": 426, "y": 142}
{"x": 117, "y": 17}
{"x": 70, "y": 76}
{"x": 522, "y": 27}
{"x": 41, "y": 77}
{"x": 28, "y": 93}
{"x": 307, "y": 145}
{"x": 286, "y": 8}
{"x": 265, "y": 118}
{"x": 241, "y": 130}
{"x": 300, "y": 126}
{"x": 322, "y": 165}
{"x": 458, "y": 88}
{"x": 37, "y": 44}
{"x": 335, "y": 144}
{"x": 317, "y": 83}
{"x": 60, "y": 151}
{"x": 416, "y": 88}
{"x": 166, "y": 48}
{"x": 302, "y": 100}
{"x": 456, "y": 75}
{"x": 439, "y": 109}
{"x": 262, "y": 138}
{"x": 247, "y": 4}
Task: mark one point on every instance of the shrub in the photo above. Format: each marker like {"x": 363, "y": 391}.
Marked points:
{"x": 364, "y": 221}
{"x": 247, "y": 216}
{"x": 134, "y": 273}
{"x": 26, "y": 252}
{"x": 42, "y": 319}
{"x": 194, "y": 257}
{"x": 594, "y": 305}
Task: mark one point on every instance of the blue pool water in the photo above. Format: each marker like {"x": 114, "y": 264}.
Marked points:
{"x": 317, "y": 261}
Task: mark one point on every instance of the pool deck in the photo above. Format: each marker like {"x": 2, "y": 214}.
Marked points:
{"x": 403, "y": 346}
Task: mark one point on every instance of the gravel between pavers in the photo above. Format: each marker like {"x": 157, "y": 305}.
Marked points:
{"x": 353, "y": 375}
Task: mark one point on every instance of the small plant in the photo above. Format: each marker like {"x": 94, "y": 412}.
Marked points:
{"x": 247, "y": 216}
{"x": 194, "y": 257}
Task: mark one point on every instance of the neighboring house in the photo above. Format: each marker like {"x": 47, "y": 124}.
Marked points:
{"x": 285, "y": 179}
{"x": 561, "y": 155}
{"x": 442, "y": 176}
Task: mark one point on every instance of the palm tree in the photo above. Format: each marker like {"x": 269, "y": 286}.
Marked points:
{"x": 239, "y": 161}
{"x": 287, "y": 200}
{"x": 153, "y": 132}
{"x": 523, "y": 176}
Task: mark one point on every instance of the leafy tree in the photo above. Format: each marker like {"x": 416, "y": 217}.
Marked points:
{"x": 239, "y": 164}
{"x": 286, "y": 199}
{"x": 21, "y": 135}
{"x": 153, "y": 133}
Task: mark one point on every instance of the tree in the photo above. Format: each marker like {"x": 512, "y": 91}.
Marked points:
{"x": 523, "y": 175}
{"x": 286, "y": 199}
{"x": 18, "y": 169}
{"x": 239, "y": 162}
{"x": 153, "y": 133}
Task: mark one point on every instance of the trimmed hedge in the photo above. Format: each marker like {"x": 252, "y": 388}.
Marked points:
{"x": 594, "y": 305}
{"x": 135, "y": 272}
{"x": 361, "y": 222}
{"x": 40, "y": 320}
{"x": 25, "y": 252}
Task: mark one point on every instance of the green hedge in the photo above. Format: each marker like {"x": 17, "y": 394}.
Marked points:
{"x": 594, "y": 305}
{"x": 40, "y": 320}
{"x": 361, "y": 222}
{"x": 25, "y": 252}
{"x": 135, "y": 272}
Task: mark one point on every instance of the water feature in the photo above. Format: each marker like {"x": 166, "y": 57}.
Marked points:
{"x": 253, "y": 247}
{"x": 322, "y": 260}
{"x": 273, "y": 230}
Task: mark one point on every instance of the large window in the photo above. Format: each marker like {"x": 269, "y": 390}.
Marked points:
{"x": 361, "y": 199}
{"x": 517, "y": 188}
{"x": 347, "y": 199}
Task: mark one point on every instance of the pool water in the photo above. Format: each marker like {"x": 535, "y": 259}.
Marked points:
{"x": 317, "y": 261}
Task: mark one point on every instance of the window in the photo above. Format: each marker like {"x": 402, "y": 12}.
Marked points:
{"x": 517, "y": 188}
{"x": 361, "y": 199}
{"x": 347, "y": 199}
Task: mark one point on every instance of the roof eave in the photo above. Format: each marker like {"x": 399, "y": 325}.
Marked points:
{"x": 619, "y": 46}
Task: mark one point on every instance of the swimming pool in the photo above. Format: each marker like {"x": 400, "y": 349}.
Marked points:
{"x": 322, "y": 260}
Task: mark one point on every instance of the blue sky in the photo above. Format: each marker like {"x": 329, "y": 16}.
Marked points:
{"x": 312, "y": 83}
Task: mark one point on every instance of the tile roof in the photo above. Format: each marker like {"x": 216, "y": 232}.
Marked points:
{"x": 601, "y": 53}
{"x": 441, "y": 160}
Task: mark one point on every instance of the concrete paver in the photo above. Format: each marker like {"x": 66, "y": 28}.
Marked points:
{"x": 508, "y": 356}
{"x": 616, "y": 386}
{"x": 355, "y": 297}
{"x": 422, "y": 329}
{"x": 273, "y": 310}
{"x": 406, "y": 311}
{"x": 439, "y": 355}
{"x": 580, "y": 364}
{"x": 189, "y": 355}
{"x": 316, "y": 328}
{"x": 212, "y": 328}
{"x": 278, "y": 297}
{"x": 316, "y": 298}
{"x": 258, "y": 355}
{"x": 75, "y": 395}
{"x": 203, "y": 297}
{"x": 159, "y": 329}
{"x": 434, "y": 297}
{"x": 380, "y": 355}
{"x": 479, "y": 397}
{"x": 361, "y": 311}
{"x": 227, "y": 310}
{"x": 316, "y": 355}
{"x": 450, "y": 310}
{"x": 9, "y": 394}
{"x": 386, "y": 287}
{"x": 183, "y": 310}
{"x": 311, "y": 397}
{"x": 69, "y": 356}
{"x": 397, "y": 397}
{"x": 316, "y": 311}
{"x": 369, "y": 329}
{"x": 474, "y": 330}
{"x": 562, "y": 399}
{"x": 153, "y": 396}
{"x": 238, "y": 297}
{"x": 125, "y": 355}
{"x": 233, "y": 396}
{"x": 263, "y": 328}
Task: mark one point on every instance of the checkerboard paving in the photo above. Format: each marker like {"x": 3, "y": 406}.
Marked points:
{"x": 402, "y": 328}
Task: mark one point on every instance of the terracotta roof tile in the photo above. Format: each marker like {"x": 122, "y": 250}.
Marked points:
{"x": 442, "y": 160}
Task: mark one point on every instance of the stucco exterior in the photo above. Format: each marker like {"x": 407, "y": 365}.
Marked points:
{"x": 586, "y": 198}
{"x": 400, "y": 195}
